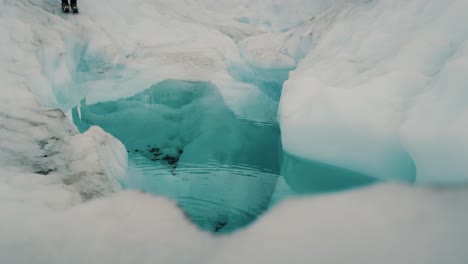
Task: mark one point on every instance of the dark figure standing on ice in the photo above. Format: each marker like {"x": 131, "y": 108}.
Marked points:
{"x": 66, "y": 7}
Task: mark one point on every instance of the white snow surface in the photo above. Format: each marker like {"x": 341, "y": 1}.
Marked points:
{"x": 381, "y": 83}
{"x": 398, "y": 225}
{"x": 279, "y": 15}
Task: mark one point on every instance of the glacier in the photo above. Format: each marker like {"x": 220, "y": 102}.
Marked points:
{"x": 374, "y": 94}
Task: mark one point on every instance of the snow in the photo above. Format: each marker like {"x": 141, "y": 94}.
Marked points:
{"x": 278, "y": 15}
{"x": 125, "y": 228}
{"x": 398, "y": 225}
{"x": 377, "y": 91}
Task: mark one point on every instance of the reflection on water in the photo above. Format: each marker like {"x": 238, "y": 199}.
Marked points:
{"x": 217, "y": 197}
{"x": 185, "y": 143}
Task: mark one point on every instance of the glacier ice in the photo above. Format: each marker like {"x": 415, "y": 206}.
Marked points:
{"x": 360, "y": 98}
{"x": 376, "y": 83}
{"x": 398, "y": 222}
{"x": 278, "y": 15}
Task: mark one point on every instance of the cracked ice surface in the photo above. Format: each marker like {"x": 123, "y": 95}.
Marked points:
{"x": 412, "y": 51}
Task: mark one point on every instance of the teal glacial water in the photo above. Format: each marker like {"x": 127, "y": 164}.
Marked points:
{"x": 223, "y": 170}
{"x": 183, "y": 142}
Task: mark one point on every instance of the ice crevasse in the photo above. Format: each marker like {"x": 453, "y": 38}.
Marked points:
{"x": 378, "y": 92}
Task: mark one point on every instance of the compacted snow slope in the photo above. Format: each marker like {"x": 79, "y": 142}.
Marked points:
{"x": 378, "y": 90}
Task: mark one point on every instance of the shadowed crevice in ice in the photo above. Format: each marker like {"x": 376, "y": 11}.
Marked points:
{"x": 184, "y": 143}
{"x": 298, "y": 175}
{"x": 270, "y": 81}
{"x": 306, "y": 176}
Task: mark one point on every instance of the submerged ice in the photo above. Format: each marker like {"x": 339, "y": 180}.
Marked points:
{"x": 223, "y": 169}
{"x": 184, "y": 143}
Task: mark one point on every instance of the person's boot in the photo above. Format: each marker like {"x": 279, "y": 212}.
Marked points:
{"x": 74, "y": 6}
{"x": 65, "y": 6}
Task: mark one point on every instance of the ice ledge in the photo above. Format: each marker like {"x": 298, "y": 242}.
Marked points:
{"x": 383, "y": 91}
{"x": 42, "y": 142}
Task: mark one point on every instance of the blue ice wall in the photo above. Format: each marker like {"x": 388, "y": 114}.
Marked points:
{"x": 270, "y": 81}
{"x": 298, "y": 175}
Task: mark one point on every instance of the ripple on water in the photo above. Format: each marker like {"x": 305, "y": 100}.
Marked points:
{"x": 185, "y": 143}
{"x": 217, "y": 197}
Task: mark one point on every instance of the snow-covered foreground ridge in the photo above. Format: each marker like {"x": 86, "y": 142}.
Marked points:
{"x": 381, "y": 84}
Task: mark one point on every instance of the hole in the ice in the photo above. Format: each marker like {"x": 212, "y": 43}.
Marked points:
{"x": 184, "y": 143}
{"x": 224, "y": 171}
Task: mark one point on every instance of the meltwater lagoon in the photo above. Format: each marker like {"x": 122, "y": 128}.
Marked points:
{"x": 183, "y": 142}
{"x": 224, "y": 170}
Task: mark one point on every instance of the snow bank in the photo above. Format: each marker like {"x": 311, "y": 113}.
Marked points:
{"x": 129, "y": 227}
{"x": 278, "y": 15}
{"x": 385, "y": 224}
